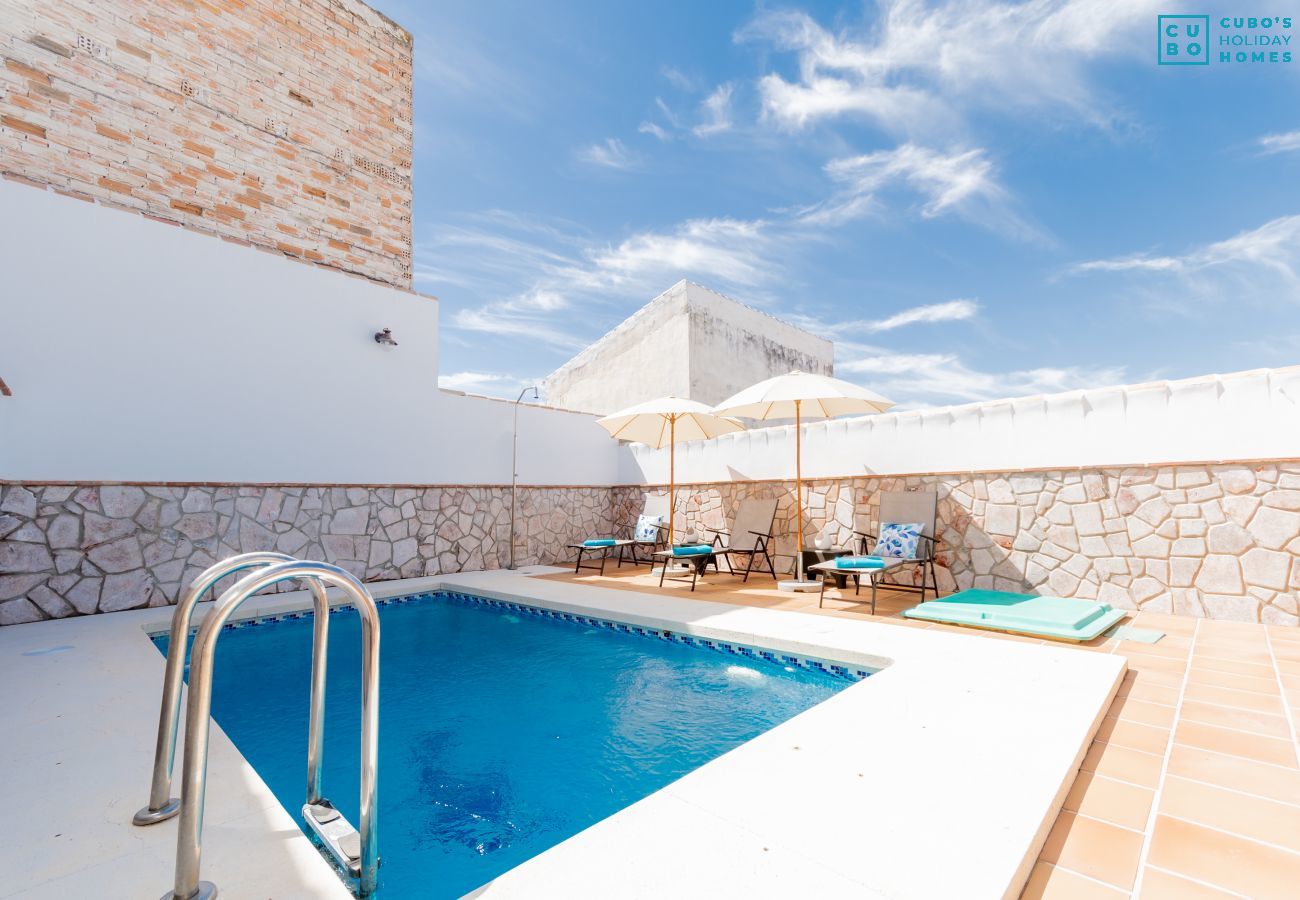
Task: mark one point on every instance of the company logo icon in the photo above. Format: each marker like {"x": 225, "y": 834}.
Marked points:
{"x": 1183, "y": 40}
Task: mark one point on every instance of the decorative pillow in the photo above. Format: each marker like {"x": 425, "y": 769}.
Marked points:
{"x": 898, "y": 540}
{"x": 647, "y": 527}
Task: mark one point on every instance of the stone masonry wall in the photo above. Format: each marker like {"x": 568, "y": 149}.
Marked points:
{"x": 282, "y": 123}
{"x": 1218, "y": 541}
{"x": 67, "y": 550}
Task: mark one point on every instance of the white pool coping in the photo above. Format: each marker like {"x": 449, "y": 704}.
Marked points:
{"x": 939, "y": 776}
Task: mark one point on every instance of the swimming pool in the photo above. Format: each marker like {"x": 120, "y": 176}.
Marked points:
{"x": 504, "y": 729}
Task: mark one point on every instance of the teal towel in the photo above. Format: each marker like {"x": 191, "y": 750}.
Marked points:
{"x": 859, "y": 562}
{"x": 599, "y": 542}
{"x": 691, "y": 549}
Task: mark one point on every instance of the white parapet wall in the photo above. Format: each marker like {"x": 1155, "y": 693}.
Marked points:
{"x": 140, "y": 351}
{"x": 1242, "y": 416}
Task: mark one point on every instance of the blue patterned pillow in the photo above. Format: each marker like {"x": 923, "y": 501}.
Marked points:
{"x": 647, "y": 527}
{"x": 897, "y": 540}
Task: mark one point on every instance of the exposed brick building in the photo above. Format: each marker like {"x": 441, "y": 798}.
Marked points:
{"x": 283, "y": 123}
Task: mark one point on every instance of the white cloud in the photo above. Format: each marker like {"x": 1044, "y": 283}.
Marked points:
{"x": 1270, "y": 252}
{"x": 928, "y": 314}
{"x": 716, "y": 111}
{"x": 1287, "y": 142}
{"x": 916, "y": 64}
{"x": 492, "y": 383}
{"x": 733, "y": 250}
{"x": 961, "y": 182}
{"x": 933, "y": 379}
{"x": 679, "y": 79}
{"x": 950, "y": 311}
{"x": 612, "y": 154}
{"x": 653, "y": 129}
{"x": 529, "y": 315}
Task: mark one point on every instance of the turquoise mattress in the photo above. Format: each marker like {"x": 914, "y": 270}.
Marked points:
{"x": 1060, "y": 618}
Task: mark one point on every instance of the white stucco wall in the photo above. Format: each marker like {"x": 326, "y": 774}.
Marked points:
{"x": 733, "y": 346}
{"x": 139, "y": 351}
{"x": 1246, "y": 415}
{"x": 687, "y": 342}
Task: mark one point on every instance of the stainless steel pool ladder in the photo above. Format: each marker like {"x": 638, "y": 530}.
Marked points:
{"x": 355, "y": 851}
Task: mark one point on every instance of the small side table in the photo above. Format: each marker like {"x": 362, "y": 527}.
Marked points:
{"x": 812, "y": 555}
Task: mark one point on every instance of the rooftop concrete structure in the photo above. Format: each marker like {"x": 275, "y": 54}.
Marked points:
{"x": 688, "y": 342}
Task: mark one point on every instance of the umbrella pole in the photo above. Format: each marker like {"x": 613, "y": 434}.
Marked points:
{"x": 672, "y": 477}
{"x": 798, "y": 493}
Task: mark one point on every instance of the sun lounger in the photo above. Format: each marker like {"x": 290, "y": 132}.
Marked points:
{"x": 1057, "y": 618}
{"x": 750, "y": 535}
{"x": 649, "y": 531}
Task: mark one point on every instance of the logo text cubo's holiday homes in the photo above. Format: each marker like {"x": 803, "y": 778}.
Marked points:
{"x": 1193, "y": 40}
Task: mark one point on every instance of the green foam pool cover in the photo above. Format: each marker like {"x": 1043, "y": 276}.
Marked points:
{"x": 1062, "y": 618}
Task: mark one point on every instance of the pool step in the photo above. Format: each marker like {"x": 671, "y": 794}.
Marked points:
{"x": 336, "y": 833}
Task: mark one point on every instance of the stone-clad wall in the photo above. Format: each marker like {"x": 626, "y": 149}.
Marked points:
{"x": 1220, "y": 541}
{"x": 1217, "y": 541}
{"x": 283, "y": 123}
{"x": 68, "y": 550}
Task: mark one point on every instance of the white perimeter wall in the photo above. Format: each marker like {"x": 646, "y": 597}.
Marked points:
{"x": 1248, "y": 415}
{"x": 138, "y": 351}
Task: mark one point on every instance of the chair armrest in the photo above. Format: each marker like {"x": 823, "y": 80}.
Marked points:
{"x": 766, "y": 535}
{"x": 715, "y": 530}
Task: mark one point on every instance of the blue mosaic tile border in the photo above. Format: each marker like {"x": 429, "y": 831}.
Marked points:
{"x": 757, "y": 654}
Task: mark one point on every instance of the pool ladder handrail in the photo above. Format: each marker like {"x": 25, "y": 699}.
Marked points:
{"x": 360, "y": 856}
{"x": 162, "y": 806}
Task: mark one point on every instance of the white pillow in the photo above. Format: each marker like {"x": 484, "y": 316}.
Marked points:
{"x": 647, "y": 527}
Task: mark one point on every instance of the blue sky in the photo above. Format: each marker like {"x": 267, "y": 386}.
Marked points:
{"x": 974, "y": 200}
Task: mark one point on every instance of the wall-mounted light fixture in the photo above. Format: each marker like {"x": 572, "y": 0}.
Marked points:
{"x": 385, "y": 337}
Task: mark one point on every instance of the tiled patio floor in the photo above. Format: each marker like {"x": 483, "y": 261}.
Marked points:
{"x": 1192, "y": 787}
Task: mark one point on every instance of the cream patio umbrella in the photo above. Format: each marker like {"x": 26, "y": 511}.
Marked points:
{"x": 799, "y": 396}
{"x": 665, "y": 423}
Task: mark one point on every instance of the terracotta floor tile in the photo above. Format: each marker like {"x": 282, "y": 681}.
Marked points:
{"x": 1236, "y": 682}
{"x": 1114, "y": 761}
{"x": 1258, "y": 656}
{"x": 1229, "y": 862}
{"x": 1133, "y": 709}
{"x": 1252, "y": 817}
{"x": 1234, "y": 699}
{"x": 1133, "y": 735}
{"x": 1169, "y": 648}
{"x": 1239, "y": 774}
{"x": 1288, "y": 666}
{"x": 1112, "y": 801}
{"x": 1211, "y": 627}
{"x": 1283, "y": 634}
{"x": 1255, "y": 670}
{"x": 1236, "y": 743}
{"x": 1096, "y": 849}
{"x": 1154, "y": 679}
{"x": 1169, "y": 624}
{"x": 1155, "y": 663}
{"x": 1158, "y": 885}
{"x": 1241, "y": 719}
{"x": 1047, "y": 882}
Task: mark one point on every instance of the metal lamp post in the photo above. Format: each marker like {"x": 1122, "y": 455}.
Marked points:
{"x": 514, "y": 467}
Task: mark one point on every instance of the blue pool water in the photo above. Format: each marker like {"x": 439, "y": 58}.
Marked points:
{"x": 501, "y": 733}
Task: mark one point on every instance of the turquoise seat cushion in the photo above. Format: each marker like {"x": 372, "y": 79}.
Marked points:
{"x": 599, "y": 542}
{"x": 692, "y": 549}
{"x": 899, "y": 539}
{"x": 859, "y": 562}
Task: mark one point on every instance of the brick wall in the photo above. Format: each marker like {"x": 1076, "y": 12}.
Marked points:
{"x": 282, "y": 123}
